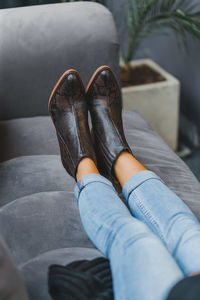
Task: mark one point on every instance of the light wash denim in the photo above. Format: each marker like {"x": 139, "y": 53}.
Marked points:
{"x": 150, "y": 251}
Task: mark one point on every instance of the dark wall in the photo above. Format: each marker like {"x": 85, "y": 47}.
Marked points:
{"x": 185, "y": 66}
{"x": 16, "y": 3}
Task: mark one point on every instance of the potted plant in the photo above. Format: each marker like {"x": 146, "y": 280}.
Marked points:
{"x": 146, "y": 87}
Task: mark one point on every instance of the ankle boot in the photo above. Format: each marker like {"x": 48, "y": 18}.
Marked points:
{"x": 69, "y": 112}
{"x": 104, "y": 101}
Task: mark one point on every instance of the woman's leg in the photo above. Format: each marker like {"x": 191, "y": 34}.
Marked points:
{"x": 153, "y": 203}
{"x": 142, "y": 268}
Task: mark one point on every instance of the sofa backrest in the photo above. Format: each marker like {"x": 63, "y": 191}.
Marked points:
{"x": 39, "y": 43}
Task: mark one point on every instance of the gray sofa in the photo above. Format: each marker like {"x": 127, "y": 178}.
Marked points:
{"x": 39, "y": 219}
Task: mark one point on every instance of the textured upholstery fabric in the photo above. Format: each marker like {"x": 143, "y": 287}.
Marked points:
{"x": 35, "y": 136}
{"x": 32, "y": 179}
{"x": 27, "y": 175}
{"x": 38, "y": 213}
{"x": 42, "y": 222}
{"x": 30, "y": 136}
{"x": 39, "y": 43}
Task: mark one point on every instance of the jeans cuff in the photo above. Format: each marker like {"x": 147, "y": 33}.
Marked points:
{"x": 136, "y": 180}
{"x": 87, "y": 179}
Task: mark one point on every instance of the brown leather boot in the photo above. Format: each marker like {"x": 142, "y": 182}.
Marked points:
{"x": 104, "y": 101}
{"x": 69, "y": 113}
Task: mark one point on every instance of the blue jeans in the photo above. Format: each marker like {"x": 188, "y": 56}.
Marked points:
{"x": 150, "y": 248}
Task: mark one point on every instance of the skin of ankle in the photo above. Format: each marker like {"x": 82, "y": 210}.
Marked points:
{"x": 126, "y": 166}
{"x": 86, "y": 166}
{"x": 194, "y": 274}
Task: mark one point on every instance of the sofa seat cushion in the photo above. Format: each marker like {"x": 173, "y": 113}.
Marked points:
{"x": 35, "y": 271}
{"x": 26, "y": 175}
{"x": 36, "y": 136}
{"x": 42, "y": 222}
{"x": 38, "y": 210}
{"x": 31, "y": 187}
{"x": 27, "y": 136}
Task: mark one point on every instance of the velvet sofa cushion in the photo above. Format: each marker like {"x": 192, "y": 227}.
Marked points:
{"x": 36, "y": 136}
{"x": 27, "y": 136}
{"x": 27, "y": 175}
{"x": 41, "y": 222}
{"x": 38, "y": 211}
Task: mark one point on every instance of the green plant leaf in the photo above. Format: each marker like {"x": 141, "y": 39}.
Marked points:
{"x": 156, "y": 17}
{"x": 167, "y": 5}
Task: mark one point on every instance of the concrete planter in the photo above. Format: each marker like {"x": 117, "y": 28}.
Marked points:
{"x": 157, "y": 102}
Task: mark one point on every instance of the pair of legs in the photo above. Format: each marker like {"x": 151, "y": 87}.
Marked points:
{"x": 157, "y": 247}
{"x": 150, "y": 251}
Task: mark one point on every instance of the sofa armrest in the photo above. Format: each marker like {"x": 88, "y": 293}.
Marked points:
{"x": 39, "y": 43}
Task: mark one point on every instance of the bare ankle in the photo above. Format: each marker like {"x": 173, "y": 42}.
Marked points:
{"x": 126, "y": 165}
{"x": 86, "y": 166}
{"x": 194, "y": 274}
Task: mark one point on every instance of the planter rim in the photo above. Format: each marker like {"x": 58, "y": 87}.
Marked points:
{"x": 169, "y": 79}
{"x": 150, "y": 86}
